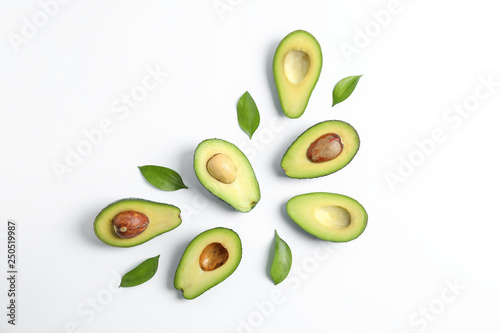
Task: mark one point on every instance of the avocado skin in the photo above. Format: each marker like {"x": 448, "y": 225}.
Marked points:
{"x": 113, "y": 240}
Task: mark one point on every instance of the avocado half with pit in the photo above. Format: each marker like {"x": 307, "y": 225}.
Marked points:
{"x": 321, "y": 150}
{"x": 328, "y": 216}
{"x": 297, "y": 64}
{"x": 226, "y": 172}
{"x": 130, "y": 222}
{"x": 209, "y": 259}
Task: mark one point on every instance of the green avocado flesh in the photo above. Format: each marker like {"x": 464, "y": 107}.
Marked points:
{"x": 207, "y": 261}
{"x": 297, "y": 164}
{"x": 162, "y": 218}
{"x": 242, "y": 190}
{"x": 297, "y": 64}
{"x": 329, "y": 216}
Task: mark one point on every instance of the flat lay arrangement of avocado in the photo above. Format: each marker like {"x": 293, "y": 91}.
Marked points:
{"x": 321, "y": 150}
{"x": 130, "y": 222}
{"x": 328, "y": 216}
{"x": 209, "y": 259}
{"x": 224, "y": 170}
{"x": 297, "y": 65}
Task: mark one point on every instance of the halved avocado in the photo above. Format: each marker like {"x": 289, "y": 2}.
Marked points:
{"x": 321, "y": 150}
{"x": 329, "y": 216}
{"x": 297, "y": 64}
{"x": 208, "y": 260}
{"x": 226, "y": 172}
{"x": 160, "y": 217}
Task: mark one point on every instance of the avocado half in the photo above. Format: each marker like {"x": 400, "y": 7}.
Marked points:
{"x": 334, "y": 139}
{"x": 328, "y": 216}
{"x": 162, "y": 218}
{"x": 226, "y": 172}
{"x": 297, "y": 64}
{"x": 209, "y": 259}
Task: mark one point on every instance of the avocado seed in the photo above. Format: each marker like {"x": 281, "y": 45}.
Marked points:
{"x": 325, "y": 148}
{"x": 130, "y": 224}
{"x": 213, "y": 256}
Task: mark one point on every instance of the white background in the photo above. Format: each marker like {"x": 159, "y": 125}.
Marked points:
{"x": 435, "y": 227}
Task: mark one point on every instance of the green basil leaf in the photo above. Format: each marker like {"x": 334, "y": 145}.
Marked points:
{"x": 163, "y": 178}
{"x": 344, "y": 88}
{"x": 142, "y": 273}
{"x": 282, "y": 261}
{"x": 248, "y": 114}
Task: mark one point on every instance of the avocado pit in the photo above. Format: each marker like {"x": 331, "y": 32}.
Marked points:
{"x": 222, "y": 168}
{"x": 130, "y": 224}
{"x": 325, "y": 148}
{"x": 297, "y": 65}
{"x": 213, "y": 256}
{"x": 334, "y": 217}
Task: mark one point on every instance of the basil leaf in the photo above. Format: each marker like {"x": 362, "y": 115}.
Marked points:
{"x": 142, "y": 273}
{"x": 248, "y": 114}
{"x": 163, "y": 178}
{"x": 282, "y": 261}
{"x": 344, "y": 88}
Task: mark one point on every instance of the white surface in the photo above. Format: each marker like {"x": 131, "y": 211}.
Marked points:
{"x": 438, "y": 227}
